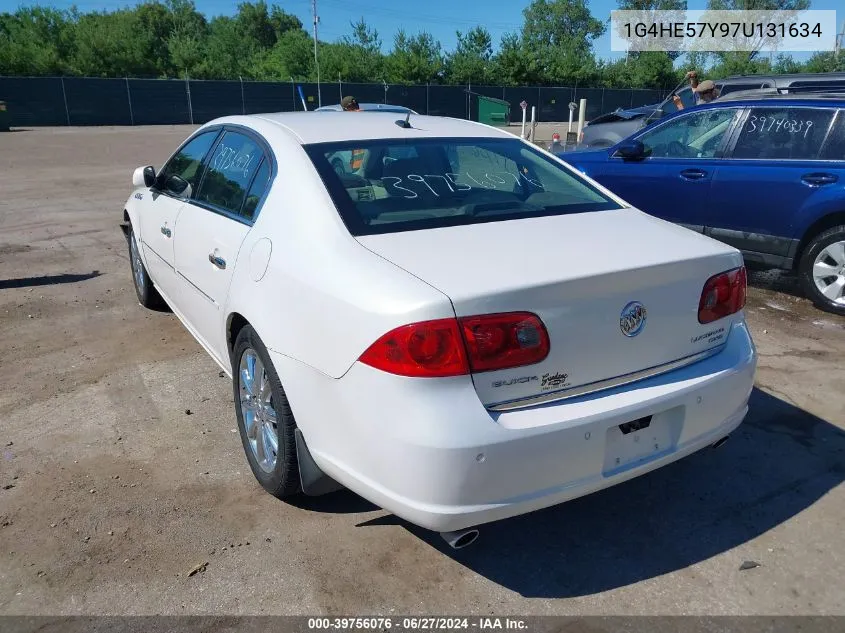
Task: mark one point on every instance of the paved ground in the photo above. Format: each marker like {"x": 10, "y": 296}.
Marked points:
{"x": 110, "y": 493}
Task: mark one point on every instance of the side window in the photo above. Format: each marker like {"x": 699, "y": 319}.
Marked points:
{"x": 834, "y": 148}
{"x": 783, "y": 133}
{"x": 181, "y": 175}
{"x": 256, "y": 191}
{"x": 696, "y": 135}
{"x": 231, "y": 167}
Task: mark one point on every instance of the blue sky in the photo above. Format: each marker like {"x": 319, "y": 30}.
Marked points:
{"x": 440, "y": 17}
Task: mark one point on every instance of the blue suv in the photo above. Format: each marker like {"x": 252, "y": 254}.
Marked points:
{"x": 766, "y": 176}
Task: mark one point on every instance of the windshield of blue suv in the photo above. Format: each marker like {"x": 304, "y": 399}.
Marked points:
{"x": 385, "y": 186}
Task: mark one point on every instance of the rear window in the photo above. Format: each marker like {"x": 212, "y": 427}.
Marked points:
{"x": 388, "y": 186}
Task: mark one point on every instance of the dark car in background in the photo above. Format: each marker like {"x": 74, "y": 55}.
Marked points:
{"x": 612, "y": 127}
{"x": 765, "y": 175}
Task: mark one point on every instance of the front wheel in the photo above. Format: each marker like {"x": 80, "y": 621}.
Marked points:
{"x": 148, "y": 296}
{"x": 822, "y": 270}
{"x": 265, "y": 420}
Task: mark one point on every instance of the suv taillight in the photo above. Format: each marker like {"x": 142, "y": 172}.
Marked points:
{"x": 723, "y": 294}
{"x": 454, "y": 347}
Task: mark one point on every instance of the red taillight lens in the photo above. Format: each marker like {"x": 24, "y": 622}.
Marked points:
{"x": 723, "y": 294}
{"x": 501, "y": 341}
{"x": 429, "y": 349}
{"x": 449, "y": 347}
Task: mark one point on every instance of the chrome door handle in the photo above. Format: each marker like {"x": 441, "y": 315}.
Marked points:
{"x": 693, "y": 174}
{"x": 217, "y": 261}
{"x": 815, "y": 180}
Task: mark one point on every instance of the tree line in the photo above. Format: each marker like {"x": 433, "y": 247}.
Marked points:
{"x": 554, "y": 46}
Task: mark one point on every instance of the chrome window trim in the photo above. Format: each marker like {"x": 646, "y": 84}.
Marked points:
{"x": 602, "y": 385}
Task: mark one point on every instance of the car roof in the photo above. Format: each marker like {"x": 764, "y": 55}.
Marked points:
{"x": 305, "y": 128}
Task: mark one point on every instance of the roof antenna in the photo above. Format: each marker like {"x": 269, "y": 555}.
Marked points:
{"x": 405, "y": 123}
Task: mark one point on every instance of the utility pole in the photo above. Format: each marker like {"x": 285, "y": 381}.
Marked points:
{"x": 840, "y": 40}
{"x": 316, "y": 61}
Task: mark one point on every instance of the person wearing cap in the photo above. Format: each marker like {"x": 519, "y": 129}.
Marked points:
{"x": 555, "y": 146}
{"x": 703, "y": 92}
{"x": 350, "y": 104}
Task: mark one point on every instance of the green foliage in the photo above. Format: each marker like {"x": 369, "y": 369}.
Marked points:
{"x": 169, "y": 38}
{"x": 469, "y": 63}
{"x": 415, "y": 59}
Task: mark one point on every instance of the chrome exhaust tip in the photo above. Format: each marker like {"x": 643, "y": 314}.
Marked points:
{"x": 460, "y": 539}
{"x": 720, "y": 442}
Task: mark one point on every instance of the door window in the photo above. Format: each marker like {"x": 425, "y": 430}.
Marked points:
{"x": 695, "y": 135}
{"x": 180, "y": 176}
{"x": 783, "y": 133}
{"x": 231, "y": 168}
{"x": 834, "y": 148}
{"x": 256, "y": 190}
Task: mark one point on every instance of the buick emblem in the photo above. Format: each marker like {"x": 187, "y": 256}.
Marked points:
{"x": 633, "y": 317}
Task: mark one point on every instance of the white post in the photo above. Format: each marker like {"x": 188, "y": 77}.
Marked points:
{"x": 582, "y": 117}
{"x": 533, "y": 121}
{"x": 524, "y": 114}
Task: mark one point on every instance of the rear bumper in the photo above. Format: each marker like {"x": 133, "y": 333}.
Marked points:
{"x": 428, "y": 451}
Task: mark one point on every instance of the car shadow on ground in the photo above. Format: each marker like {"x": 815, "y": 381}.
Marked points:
{"x": 47, "y": 280}
{"x": 785, "y": 281}
{"x": 780, "y": 461}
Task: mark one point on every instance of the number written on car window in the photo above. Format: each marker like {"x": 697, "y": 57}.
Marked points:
{"x": 230, "y": 170}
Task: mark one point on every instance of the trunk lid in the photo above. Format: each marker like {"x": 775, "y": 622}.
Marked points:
{"x": 577, "y": 273}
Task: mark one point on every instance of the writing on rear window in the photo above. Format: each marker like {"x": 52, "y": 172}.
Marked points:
{"x": 438, "y": 184}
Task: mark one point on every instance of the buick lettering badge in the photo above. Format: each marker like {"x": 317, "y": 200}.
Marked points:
{"x": 632, "y": 319}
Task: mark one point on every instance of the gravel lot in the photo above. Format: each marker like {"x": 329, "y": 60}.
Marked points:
{"x": 121, "y": 469}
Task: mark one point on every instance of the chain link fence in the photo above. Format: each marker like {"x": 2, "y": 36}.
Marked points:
{"x": 36, "y": 101}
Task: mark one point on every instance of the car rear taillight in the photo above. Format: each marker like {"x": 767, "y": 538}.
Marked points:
{"x": 429, "y": 349}
{"x": 501, "y": 341}
{"x": 723, "y": 294}
{"x": 454, "y": 347}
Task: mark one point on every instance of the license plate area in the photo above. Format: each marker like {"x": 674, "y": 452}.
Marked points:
{"x": 641, "y": 440}
{"x": 635, "y": 425}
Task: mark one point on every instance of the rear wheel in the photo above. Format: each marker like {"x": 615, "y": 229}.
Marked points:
{"x": 265, "y": 420}
{"x": 147, "y": 294}
{"x": 822, "y": 270}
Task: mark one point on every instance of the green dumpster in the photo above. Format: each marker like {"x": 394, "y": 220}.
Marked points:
{"x": 4, "y": 117}
{"x": 493, "y": 111}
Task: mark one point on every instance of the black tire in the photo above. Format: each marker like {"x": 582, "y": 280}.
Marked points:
{"x": 283, "y": 480}
{"x": 148, "y": 296}
{"x": 805, "y": 268}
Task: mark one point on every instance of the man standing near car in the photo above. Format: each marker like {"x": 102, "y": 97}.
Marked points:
{"x": 703, "y": 92}
{"x": 350, "y": 104}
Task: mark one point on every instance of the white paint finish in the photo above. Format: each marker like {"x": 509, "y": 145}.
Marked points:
{"x": 420, "y": 462}
{"x": 202, "y": 286}
{"x": 156, "y": 214}
{"x": 325, "y": 296}
{"x": 576, "y": 272}
{"x": 259, "y": 258}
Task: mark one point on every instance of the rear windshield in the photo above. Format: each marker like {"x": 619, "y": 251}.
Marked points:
{"x": 388, "y": 186}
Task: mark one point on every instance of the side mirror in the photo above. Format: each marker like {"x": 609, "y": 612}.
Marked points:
{"x": 630, "y": 150}
{"x": 149, "y": 176}
{"x": 176, "y": 185}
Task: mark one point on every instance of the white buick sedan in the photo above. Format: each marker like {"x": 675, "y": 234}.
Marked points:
{"x": 465, "y": 329}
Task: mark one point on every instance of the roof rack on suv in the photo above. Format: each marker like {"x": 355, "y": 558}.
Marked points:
{"x": 746, "y": 95}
